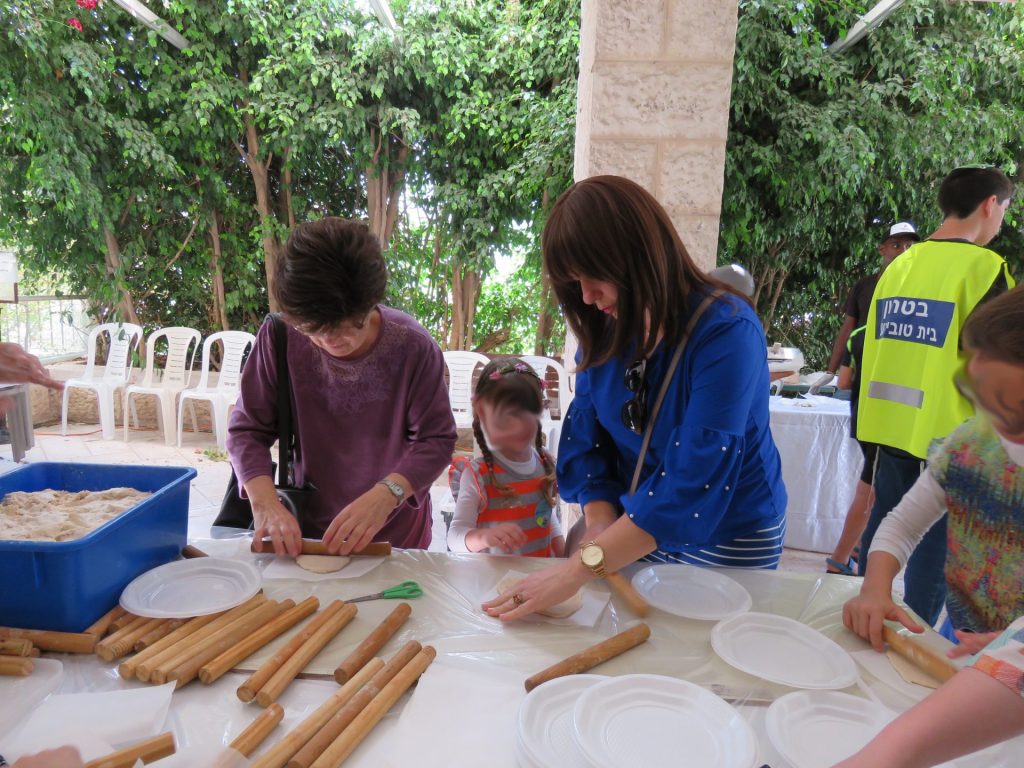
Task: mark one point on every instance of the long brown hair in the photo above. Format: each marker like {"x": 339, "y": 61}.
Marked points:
{"x": 996, "y": 328}
{"x": 611, "y": 229}
{"x": 512, "y": 384}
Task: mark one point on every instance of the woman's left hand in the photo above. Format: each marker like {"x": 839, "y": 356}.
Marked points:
{"x": 538, "y": 591}
{"x": 971, "y": 642}
{"x": 355, "y": 526}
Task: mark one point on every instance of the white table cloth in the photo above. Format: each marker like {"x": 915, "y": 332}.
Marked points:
{"x": 821, "y": 464}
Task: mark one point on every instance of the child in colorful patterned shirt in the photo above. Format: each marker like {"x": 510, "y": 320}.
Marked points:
{"x": 977, "y": 474}
{"x": 505, "y": 501}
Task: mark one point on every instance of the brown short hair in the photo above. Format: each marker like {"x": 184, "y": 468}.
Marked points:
{"x": 611, "y": 229}
{"x": 996, "y": 328}
{"x": 331, "y": 271}
{"x": 964, "y": 189}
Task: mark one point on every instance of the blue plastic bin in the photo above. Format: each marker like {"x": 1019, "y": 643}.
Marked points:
{"x": 67, "y": 585}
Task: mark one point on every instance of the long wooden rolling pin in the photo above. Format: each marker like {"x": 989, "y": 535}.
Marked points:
{"x": 122, "y": 621}
{"x": 216, "y": 668}
{"x": 16, "y": 666}
{"x": 591, "y": 657}
{"x": 624, "y": 589}
{"x": 294, "y": 740}
{"x": 281, "y": 679}
{"x": 330, "y": 730}
{"x": 364, "y": 722}
{"x": 20, "y": 647}
{"x": 247, "y": 691}
{"x": 122, "y": 642}
{"x": 309, "y": 547}
{"x": 147, "y": 751}
{"x": 60, "y": 642}
{"x": 249, "y": 740}
{"x": 373, "y": 643}
{"x": 921, "y": 656}
{"x": 127, "y": 669}
{"x": 102, "y": 624}
{"x": 161, "y": 631}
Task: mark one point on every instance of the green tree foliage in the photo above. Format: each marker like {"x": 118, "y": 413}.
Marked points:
{"x": 826, "y": 151}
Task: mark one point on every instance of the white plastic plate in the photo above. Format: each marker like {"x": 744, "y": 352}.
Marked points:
{"x": 783, "y": 651}
{"x": 656, "y": 720}
{"x": 195, "y": 587}
{"x": 691, "y": 592}
{"x": 545, "y": 729}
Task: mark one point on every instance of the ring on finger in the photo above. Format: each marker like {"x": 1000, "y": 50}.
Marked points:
{"x": 518, "y": 599}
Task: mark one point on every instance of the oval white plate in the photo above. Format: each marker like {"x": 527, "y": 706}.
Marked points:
{"x": 545, "y": 722}
{"x": 656, "y": 720}
{"x": 783, "y": 651}
{"x": 817, "y": 729}
{"x": 195, "y": 587}
{"x": 691, "y": 592}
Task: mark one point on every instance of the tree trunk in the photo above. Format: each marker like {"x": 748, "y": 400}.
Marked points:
{"x": 220, "y": 313}
{"x": 546, "y": 321}
{"x": 465, "y": 292}
{"x": 384, "y": 177}
{"x": 125, "y": 304}
{"x": 493, "y": 340}
{"x": 782, "y": 273}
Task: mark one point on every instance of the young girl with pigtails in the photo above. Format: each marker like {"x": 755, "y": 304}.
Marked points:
{"x": 505, "y": 500}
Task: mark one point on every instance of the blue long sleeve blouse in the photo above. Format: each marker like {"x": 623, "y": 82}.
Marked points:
{"x": 712, "y": 473}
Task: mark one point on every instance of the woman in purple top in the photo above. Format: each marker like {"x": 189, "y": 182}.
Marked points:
{"x": 370, "y": 408}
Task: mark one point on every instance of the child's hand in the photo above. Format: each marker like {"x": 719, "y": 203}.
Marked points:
{"x": 507, "y": 537}
{"x": 866, "y": 613}
{"x": 971, "y": 642}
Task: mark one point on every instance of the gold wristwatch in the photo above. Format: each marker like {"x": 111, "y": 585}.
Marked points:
{"x": 592, "y": 556}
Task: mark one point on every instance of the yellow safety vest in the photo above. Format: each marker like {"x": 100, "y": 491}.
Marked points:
{"x": 912, "y": 343}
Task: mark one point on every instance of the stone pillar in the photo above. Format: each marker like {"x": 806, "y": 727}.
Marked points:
{"x": 654, "y": 90}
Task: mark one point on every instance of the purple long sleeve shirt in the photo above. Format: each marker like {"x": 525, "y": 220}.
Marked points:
{"x": 356, "y": 421}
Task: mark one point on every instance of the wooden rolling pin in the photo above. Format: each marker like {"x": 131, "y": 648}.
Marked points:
{"x": 60, "y": 642}
{"x": 249, "y": 740}
{"x": 102, "y": 624}
{"x": 122, "y": 621}
{"x": 624, "y": 589}
{"x": 16, "y": 666}
{"x": 128, "y": 668}
{"x": 147, "y": 751}
{"x": 373, "y": 643}
{"x": 294, "y": 740}
{"x": 920, "y": 655}
{"x": 122, "y": 642}
{"x": 330, "y": 731}
{"x": 591, "y": 657}
{"x": 364, "y": 722}
{"x": 162, "y": 630}
{"x": 20, "y": 647}
{"x": 309, "y": 547}
{"x": 188, "y": 552}
{"x": 247, "y": 691}
{"x": 216, "y": 668}
{"x": 281, "y": 679}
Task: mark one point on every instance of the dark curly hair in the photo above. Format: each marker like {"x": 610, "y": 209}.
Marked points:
{"x": 331, "y": 271}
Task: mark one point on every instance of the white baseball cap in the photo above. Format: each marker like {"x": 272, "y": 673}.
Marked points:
{"x": 903, "y": 228}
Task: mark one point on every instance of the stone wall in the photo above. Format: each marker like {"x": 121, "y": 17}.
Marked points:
{"x": 654, "y": 92}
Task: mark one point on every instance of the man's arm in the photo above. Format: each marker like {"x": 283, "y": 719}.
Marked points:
{"x": 849, "y": 323}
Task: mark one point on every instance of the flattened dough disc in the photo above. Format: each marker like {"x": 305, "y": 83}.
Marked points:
{"x": 322, "y": 563}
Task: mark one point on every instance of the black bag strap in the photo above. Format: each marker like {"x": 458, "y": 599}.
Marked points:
{"x": 285, "y": 433}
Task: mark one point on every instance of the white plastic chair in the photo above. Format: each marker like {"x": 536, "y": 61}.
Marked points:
{"x": 124, "y": 338}
{"x": 165, "y": 384}
{"x": 224, "y": 395}
{"x": 461, "y": 366}
{"x": 551, "y": 427}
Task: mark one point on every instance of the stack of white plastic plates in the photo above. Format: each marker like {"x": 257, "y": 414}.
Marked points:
{"x": 195, "y": 587}
{"x": 784, "y": 651}
{"x": 691, "y": 592}
{"x": 594, "y": 721}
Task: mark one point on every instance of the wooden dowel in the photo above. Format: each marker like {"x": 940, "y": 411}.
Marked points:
{"x": 197, "y": 643}
{"x": 624, "y": 589}
{"x": 147, "y": 751}
{"x": 127, "y": 670}
{"x": 330, "y": 730}
{"x": 921, "y": 656}
{"x": 276, "y": 685}
{"x": 293, "y": 741}
{"x": 373, "y": 643}
{"x": 213, "y": 670}
{"x": 373, "y": 549}
{"x": 122, "y": 621}
{"x": 372, "y": 714}
{"x": 163, "y": 630}
{"x": 34, "y": 652}
{"x": 102, "y": 624}
{"x": 123, "y": 642}
{"x": 188, "y": 552}
{"x": 231, "y": 635}
{"x": 16, "y": 666}
{"x": 247, "y": 691}
{"x": 592, "y": 656}
{"x": 249, "y": 740}
{"x": 60, "y": 642}
{"x": 19, "y": 647}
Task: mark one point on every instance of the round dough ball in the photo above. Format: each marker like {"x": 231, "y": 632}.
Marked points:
{"x": 322, "y": 563}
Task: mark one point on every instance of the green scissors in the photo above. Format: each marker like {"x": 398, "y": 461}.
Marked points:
{"x": 397, "y": 592}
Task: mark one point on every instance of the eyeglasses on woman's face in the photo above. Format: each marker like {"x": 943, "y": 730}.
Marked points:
{"x": 634, "y": 410}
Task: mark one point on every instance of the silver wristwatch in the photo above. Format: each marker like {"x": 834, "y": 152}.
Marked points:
{"x": 396, "y": 490}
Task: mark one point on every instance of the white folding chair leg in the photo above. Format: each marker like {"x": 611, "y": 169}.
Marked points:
{"x": 181, "y": 417}
{"x": 105, "y": 403}
{"x": 64, "y": 412}
{"x": 128, "y": 403}
{"x": 219, "y": 414}
{"x": 166, "y": 415}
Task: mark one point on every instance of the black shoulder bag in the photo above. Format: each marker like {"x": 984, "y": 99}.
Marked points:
{"x": 235, "y": 511}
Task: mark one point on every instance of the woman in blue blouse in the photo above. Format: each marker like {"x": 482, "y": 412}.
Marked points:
{"x": 710, "y": 491}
